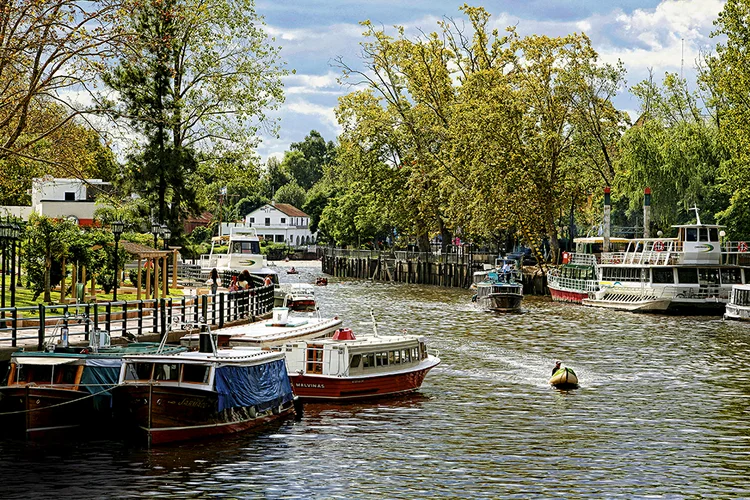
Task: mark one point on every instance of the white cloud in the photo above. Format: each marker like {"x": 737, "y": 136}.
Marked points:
{"x": 323, "y": 113}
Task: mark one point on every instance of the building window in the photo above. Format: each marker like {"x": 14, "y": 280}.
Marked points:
{"x": 268, "y": 221}
{"x": 283, "y": 220}
{"x": 252, "y": 220}
{"x": 70, "y": 196}
{"x": 279, "y": 238}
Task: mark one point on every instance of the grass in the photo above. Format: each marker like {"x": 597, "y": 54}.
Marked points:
{"x": 25, "y": 297}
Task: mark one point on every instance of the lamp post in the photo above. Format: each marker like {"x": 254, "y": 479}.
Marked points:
{"x": 15, "y": 235}
{"x": 166, "y": 234}
{"x": 4, "y": 238}
{"x": 117, "y": 227}
{"x": 155, "y": 230}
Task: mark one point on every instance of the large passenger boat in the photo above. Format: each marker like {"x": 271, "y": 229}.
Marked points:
{"x": 242, "y": 254}
{"x": 692, "y": 272}
{"x": 203, "y": 393}
{"x": 65, "y": 391}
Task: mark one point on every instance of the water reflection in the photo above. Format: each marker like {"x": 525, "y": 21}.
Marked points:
{"x": 662, "y": 410}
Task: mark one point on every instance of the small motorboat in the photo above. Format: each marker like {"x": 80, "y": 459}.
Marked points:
{"x": 564, "y": 378}
{"x": 321, "y": 281}
{"x": 292, "y": 271}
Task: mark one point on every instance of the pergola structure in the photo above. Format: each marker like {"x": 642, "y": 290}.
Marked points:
{"x": 150, "y": 257}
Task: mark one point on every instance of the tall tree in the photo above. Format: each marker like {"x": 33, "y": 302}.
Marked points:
{"x": 196, "y": 81}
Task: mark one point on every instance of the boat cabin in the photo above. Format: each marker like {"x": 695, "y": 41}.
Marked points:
{"x": 184, "y": 373}
{"x": 740, "y": 296}
{"x": 46, "y": 371}
{"x": 345, "y": 356}
{"x": 243, "y": 252}
{"x": 594, "y": 245}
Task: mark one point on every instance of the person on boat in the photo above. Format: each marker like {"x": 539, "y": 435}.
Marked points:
{"x": 507, "y": 268}
{"x": 557, "y": 367}
{"x": 292, "y": 270}
{"x": 213, "y": 281}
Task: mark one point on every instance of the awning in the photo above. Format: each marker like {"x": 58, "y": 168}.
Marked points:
{"x": 43, "y": 360}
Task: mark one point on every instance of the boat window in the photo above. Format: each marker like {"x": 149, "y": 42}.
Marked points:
{"x": 381, "y": 359}
{"x": 708, "y": 276}
{"x": 414, "y": 353}
{"x": 164, "y": 371}
{"x": 662, "y": 275}
{"x": 369, "y": 360}
{"x": 397, "y": 357}
{"x": 741, "y": 297}
{"x": 691, "y": 234}
{"x": 713, "y": 234}
{"x": 390, "y": 358}
{"x": 355, "y": 361}
{"x": 315, "y": 358}
{"x": 246, "y": 247}
{"x": 138, "y": 371}
{"x": 687, "y": 275}
{"x": 703, "y": 233}
{"x": 405, "y": 355}
{"x": 197, "y": 374}
{"x": 731, "y": 276}
{"x": 34, "y": 373}
{"x": 66, "y": 374}
{"x": 422, "y": 351}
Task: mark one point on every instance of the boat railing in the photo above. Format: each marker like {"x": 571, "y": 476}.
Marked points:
{"x": 584, "y": 285}
{"x": 582, "y": 259}
{"x": 647, "y": 257}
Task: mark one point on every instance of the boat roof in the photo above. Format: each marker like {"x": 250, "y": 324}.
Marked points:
{"x": 254, "y": 355}
{"x": 366, "y": 340}
{"x": 599, "y": 239}
{"x": 717, "y": 226}
{"x": 262, "y": 331}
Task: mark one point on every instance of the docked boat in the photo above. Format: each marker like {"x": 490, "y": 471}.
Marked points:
{"x": 578, "y": 276}
{"x": 738, "y": 307}
{"x": 242, "y": 246}
{"x": 282, "y": 327}
{"x": 65, "y": 391}
{"x": 346, "y": 367}
{"x": 645, "y": 301}
{"x": 500, "y": 289}
{"x": 203, "y": 393}
{"x": 564, "y": 378}
{"x": 295, "y": 296}
{"x": 694, "y": 272}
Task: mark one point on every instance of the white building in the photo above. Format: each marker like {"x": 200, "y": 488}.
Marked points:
{"x": 72, "y": 199}
{"x": 282, "y": 223}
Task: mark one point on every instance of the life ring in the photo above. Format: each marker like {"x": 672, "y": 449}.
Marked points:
{"x": 658, "y": 246}
{"x": 615, "y": 260}
{"x": 742, "y": 246}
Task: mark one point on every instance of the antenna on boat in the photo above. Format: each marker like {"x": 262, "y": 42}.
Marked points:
{"x": 697, "y": 217}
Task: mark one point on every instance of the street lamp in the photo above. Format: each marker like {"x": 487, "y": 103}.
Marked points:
{"x": 15, "y": 235}
{"x": 166, "y": 233}
{"x": 155, "y": 230}
{"x": 5, "y": 232}
{"x": 117, "y": 227}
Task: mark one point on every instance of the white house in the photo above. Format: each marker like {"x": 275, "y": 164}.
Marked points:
{"x": 282, "y": 223}
{"x": 62, "y": 199}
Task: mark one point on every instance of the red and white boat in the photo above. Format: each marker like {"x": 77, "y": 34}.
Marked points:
{"x": 346, "y": 367}
{"x": 278, "y": 330}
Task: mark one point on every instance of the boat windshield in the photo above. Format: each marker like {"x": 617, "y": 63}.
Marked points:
{"x": 249, "y": 247}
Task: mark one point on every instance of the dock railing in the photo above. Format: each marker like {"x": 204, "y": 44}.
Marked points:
{"x": 21, "y": 326}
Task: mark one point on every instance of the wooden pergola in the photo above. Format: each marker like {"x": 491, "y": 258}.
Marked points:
{"x": 150, "y": 257}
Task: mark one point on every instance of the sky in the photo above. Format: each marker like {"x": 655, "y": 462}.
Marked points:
{"x": 665, "y": 36}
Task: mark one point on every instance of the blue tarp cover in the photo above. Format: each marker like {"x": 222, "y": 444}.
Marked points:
{"x": 263, "y": 386}
{"x": 96, "y": 379}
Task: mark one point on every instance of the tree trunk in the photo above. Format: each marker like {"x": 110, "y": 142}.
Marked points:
{"x": 47, "y": 284}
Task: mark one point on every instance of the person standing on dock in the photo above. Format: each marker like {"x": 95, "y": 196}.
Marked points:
{"x": 557, "y": 367}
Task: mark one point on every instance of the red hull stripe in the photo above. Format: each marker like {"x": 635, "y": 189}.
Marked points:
{"x": 319, "y": 387}
{"x": 568, "y": 296}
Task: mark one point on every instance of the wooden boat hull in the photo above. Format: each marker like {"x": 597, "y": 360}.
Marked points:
{"x": 317, "y": 387}
{"x": 564, "y": 378}
{"x": 171, "y": 414}
{"x": 501, "y": 302}
{"x": 37, "y": 413}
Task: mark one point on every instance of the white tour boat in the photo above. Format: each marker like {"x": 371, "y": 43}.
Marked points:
{"x": 243, "y": 254}
{"x": 692, "y": 272}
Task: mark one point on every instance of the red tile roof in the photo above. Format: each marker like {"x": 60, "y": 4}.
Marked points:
{"x": 290, "y": 210}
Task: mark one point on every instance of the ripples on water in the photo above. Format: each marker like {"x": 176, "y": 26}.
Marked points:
{"x": 663, "y": 410}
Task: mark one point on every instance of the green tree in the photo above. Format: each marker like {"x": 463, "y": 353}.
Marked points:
{"x": 292, "y": 194}
{"x": 306, "y": 160}
{"x": 48, "y": 243}
{"x": 273, "y": 177}
{"x": 196, "y": 81}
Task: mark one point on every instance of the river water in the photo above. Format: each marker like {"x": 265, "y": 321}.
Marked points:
{"x": 663, "y": 411}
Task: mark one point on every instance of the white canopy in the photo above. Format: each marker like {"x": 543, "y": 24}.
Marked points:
{"x": 43, "y": 360}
